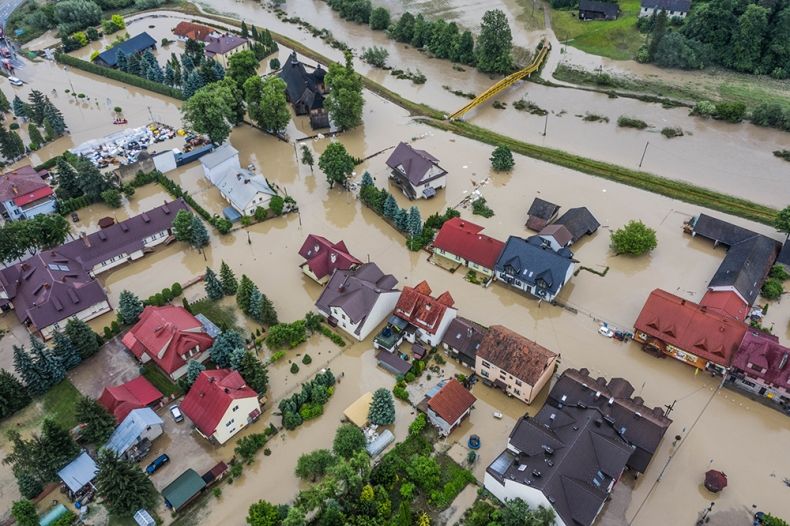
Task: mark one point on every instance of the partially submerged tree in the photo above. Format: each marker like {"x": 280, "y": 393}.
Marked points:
{"x": 502, "y": 159}
{"x": 635, "y": 238}
{"x": 337, "y": 164}
{"x": 129, "y": 307}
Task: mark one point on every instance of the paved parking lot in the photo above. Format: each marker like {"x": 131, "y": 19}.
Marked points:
{"x": 112, "y": 365}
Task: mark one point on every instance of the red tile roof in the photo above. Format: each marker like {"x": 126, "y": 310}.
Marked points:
{"x": 416, "y": 306}
{"x": 324, "y": 257}
{"x": 35, "y": 195}
{"x": 120, "y": 400}
{"x": 727, "y": 302}
{"x": 523, "y": 358}
{"x": 21, "y": 182}
{"x": 166, "y": 334}
{"x": 191, "y": 30}
{"x": 766, "y": 353}
{"x": 696, "y": 329}
{"x": 463, "y": 239}
{"x": 451, "y": 401}
{"x": 211, "y": 395}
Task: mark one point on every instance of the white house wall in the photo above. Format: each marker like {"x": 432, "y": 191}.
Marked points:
{"x": 234, "y": 421}
{"x": 95, "y": 310}
{"x": 513, "y": 490}
{"x": 384, "y": 306}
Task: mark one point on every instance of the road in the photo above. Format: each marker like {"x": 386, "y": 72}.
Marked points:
{"x": 6, "y": 8}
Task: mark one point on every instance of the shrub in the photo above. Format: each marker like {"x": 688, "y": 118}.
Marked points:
{"x": 778, "y": 272}
{"x": 400, "y": 393}
{"x": 502, "y": 159}
{"x": 635, "y": 238}
{"x": 176, "y": 289}
{"x": 274, "y": 64}
{"x": 14, "y": 126}
{"x": 772, "y": 289}
{"x": 670, "y": 132}
{"x": 306, "y": 360}
{"x": 111, "y": 198}
{"x": 375, "y": 56}
{"x": 294, "y": 368}
{"x": 480, "y": 208}
{"x": 704, "y": 108}
{"x": 277, "y": 356}
{"x": 630, "y": 122}
{"x": 276, "y": 204}
{"x": 730, "y": 111}
{"x": 261, "y": 213}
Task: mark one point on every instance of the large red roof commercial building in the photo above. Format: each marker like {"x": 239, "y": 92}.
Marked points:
{"x": 461, "y": 241}
{"x": 170, "y": 336}
{"x": 701, "y": 336}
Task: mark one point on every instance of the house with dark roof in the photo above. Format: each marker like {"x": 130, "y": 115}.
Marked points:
{"x": 222, "y": 47}
{"x": 596, "y": 10}
{"x": 699, "y": 336}
{"x": 392, "y": 363}
{"x": 416, "y": 172}
{"x": 513, "y": 363}
{"x": 462, "y": 340}
{"x": 749, "y": 258}
{"x": 673, "y": 8}
{"x": 761, "y": 368}
{"x": 119, "y": 400}
{"x": 567, "y": 459}
{"x": 540, "y": 213}
{"x": 418, "y": 318}
{"x": 557, "y": 236}
{"x": 460, "y": 241}
{"x": 25, "y": 194}
{"x": 783, "y": 258}
{"x": 530, "y": 265}
{"x": 220, "y": 404}
{"x": 579, "y": 221}
{"x": 357, "y": 300}
{"x": 305, "y": 90}
{"x": 641, "y": 426}
{"x": 185, "y": 30}
{"x": 131, "y": 46}
{"x": 169, "y": 336}
{"x": 323, "y": 258}
{"x": 447, "y": 405}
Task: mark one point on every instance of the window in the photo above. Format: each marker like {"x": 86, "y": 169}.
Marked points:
{"x": 484, "y": 373}
{"x": 486, "y": 364}
{"x": 518, "y": 393}
{"x": 518, "y": 383}
{"x": 235, "y": 408}
{"x": 601, "y": 479}
{"x": 230, "y": 422}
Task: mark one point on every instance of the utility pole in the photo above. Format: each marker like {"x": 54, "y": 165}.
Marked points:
{"x": 643, "y": 154}
{"x": 670, "y": 408}
{"x": 545, "y": 124}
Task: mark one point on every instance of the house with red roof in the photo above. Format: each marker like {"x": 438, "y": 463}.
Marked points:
{"x": 761, "y": 367}
{"x": 120, "y": 400}
{"x": 461, "y": 241}
{"x": 190, "y": 31}
{"x": 220, "y": 404}
{"x": 323, "y": 258}
{"x": 418, "y": 317}
{"x": 701, "y": 336}
{"x": 170, "y": 337}
{"x": 447, "y": 405}
{"x": 25, "y": 194}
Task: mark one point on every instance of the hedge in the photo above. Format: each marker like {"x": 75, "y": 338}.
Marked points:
{"x": 120, "y": 76}
{"x": 222, "y": 225}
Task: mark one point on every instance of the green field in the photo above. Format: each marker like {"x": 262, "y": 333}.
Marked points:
{"x": 618, "y": 39}
{"x": 58, "y": 404}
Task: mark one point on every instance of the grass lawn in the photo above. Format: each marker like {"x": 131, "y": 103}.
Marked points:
{"x": 160, "y": 380}
{"x": 223, "y": 316}
{"x": 57, "y": 403}
{"x": 618, "y": 39}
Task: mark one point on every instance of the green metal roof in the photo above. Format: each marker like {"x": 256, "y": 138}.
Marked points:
{"x": 181, "y": 490}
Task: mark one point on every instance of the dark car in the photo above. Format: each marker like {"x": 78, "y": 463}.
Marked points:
{"x": 158, "y": 462}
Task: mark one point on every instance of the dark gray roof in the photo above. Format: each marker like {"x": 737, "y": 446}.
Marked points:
{"x": 355, "y": 291}
{"x": 570, "y": 455}
{"x": 746, "y": 265}
{"x": 637, "y": 424}
{"x": 223, "y": 43}
{"x": 465, "y": 336}
{"x": 668, "y": 5}
{"x": 415, "y": 163}
{"x": 784, "y": 255}
{"x": 719, "y": 230}
{"x": 302, "y": 87}
{"x": 392, "y": 362}
{"x": 610, "y": 9}
{"x": 131, "y": 46}
{"x": 579, "y": 221}
{"x": 533, "y": 263}
{"x": 542, "y": 209}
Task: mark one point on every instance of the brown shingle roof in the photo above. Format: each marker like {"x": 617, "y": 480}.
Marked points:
{"x": 519, "y": 356}
{"x": 451, "y": 401}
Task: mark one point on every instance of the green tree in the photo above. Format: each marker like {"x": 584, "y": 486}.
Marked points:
{"x": 99, "y": 423}
{"x": 772, "y": 289}
{"x": 771, "y": 520}
{"x": 307, "y": 157}
{"x": 382, "y": 408}
{"x": 423, "y": 471}
{"x": 344, "y": 101}
{"x": 74, "y": 15}
{"x": 199, "y": 237}
{"x": 254, "y": 372}
{"x": 47, "y": 363}
{"x": 391, "y": 207}
{"x": 656, "y": 34}
{"x": 122, "y": 485}
{"x": 24, "y": 513}
{"x": 336, "y": 163}
{"x": 242, "y": 66}
{"x": 266, "y": 103}
{"x": 414, "y": 228}
{"x": 13, "y": 395}
{"x": 182, "y": 226}
{"x": 82, "y": 337}
{"x": 223, "y": 347}
{"x": 194, "y": 368}
{"x": 244, "y": 294}
{"x": 465, "y": 49}
{"x": 747, "y": 42}
{"x": 211, "y": 111}
{"x": 314, "y": 465}
{"x": 228, "y": 279}
{"x": 348, "y": 440}
{"x": 213, "y": 285}
{"x": 295, "y": 517}
{"x": 517, "y": 512}
{"x": 402, "y": 220}
{"x": 403, "y": 31}
{"x": 502, "y": 159}
{"x": 65, "y": 350}
{"x": 263, "y": 513}
{"x": 635, "y": 238}
{"x": 129, "y": 307}
{"x": 494, "y": 44}
{"x": 782, "y": 222}
{"x": 36, "y": 140}
{"x": 5, "y": 106}
{"x": 92, "y": 182}
{"x": 379, "y": 19}
{"x": 20, "y": 108}
{"x": 245, "y": 32}
{"x": 68, "y": 183}
{"x": 36, "y": 103}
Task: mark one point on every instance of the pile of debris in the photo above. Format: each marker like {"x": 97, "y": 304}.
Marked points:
{"x": 125, "y": 146}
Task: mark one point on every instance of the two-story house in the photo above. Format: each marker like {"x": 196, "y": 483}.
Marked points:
{"x": 513, "y": 363}
{"x": 25, "y": 194}
{"x": 672, "y": 8}
{"x": 530, "y": 265}
{"x": 416, "y": 172}
{"x": 323, "y": 258}
{"x": 460, "y": 241}
{"x": 760, "y": 367}
{"x": 447, "y": 405}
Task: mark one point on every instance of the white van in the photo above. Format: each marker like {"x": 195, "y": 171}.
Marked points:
{"x": 15, "y": 81}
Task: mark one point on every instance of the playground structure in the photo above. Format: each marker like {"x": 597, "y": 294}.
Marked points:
{"x": 543, "y": 51}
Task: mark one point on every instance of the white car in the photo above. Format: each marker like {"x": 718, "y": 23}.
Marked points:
{"x": 178, "y": 416}
{"x": 605, "y": 330}
{"x": 15, "y": 81}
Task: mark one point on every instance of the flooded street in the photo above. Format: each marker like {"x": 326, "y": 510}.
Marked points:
{"x": 717, "y": 428}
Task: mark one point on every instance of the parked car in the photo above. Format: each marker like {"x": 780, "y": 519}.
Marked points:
{"x": 178, "y": 416}
{"x": 158, "y": 462}
{"x": 15, "y": 81}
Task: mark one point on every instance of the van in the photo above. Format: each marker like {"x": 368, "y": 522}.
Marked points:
{"x": 15, "y": 81}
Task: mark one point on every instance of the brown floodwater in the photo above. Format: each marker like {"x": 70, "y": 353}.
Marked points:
{"x": 721, "y": 428}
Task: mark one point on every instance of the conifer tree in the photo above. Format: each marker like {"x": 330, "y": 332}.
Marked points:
{"x": 36, "y": 107}
{"x": 133, "y": 65}
{"x": 244, "y": 294}
{"x": 415, "y": 222}
{"x": 402, "y": 220}
{"x": 255, "y": 309}
{"x": 244, "y": 31}
{"x": 20, "y": 108}
{"x": 391, "y": 207}
{"x": 25, "y": 367}
{"x": 170, "y": 75}
{"x": 36, "y": 140}
{"x": 53, "y": 119}
{"x": 13, "y": 395}
{"x": 68, "y": 183}
{"x": 194, "y": 368}
{"x": 122, "y": 62}
{"x": 382, "y": 408}
{"x": 199, "y": 236}
{"x": 122, "y": 485}
{"x": 48, "y": 364}
{"x": 82, "y": 337}
{"x": 212, "y": 285}
{"x": 99, "y": 423}
{"x": 4, "y": 104}
{"x": 193, "y": 83}
{"x": 228, "y": 279}
{"x": 269, "y": 313}
{"x": 129, "y": 307}
{"x": 65, "y": 351}
{"x": 254, "y": 372}
{"x": 224, "y": 346}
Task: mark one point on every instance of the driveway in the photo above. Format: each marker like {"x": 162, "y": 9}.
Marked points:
{"x": 112, "y": 365}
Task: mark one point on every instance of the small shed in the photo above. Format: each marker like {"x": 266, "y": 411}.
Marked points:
{"x": 357, "y": 412}
{"x": 393, "y": 363}
{"x": 540, "y": 213}
{"x": 378, "y": 444}
{"x": 418, "y": 351}
{"x": 183, "y": 490}
{"x": 78, "y": 473}
{"x": 143, "y": 518}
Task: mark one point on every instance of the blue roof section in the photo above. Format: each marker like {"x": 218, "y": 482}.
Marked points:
{"x": 208, "y": 325}
{"x": 78, "y": 472}
{"x": 532, "y": 263}
{"x": 131, "y": 46}
{"x": 435, "y": 389}
{"x": 126, "y": 434}
{"x": 231, "y": 214}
